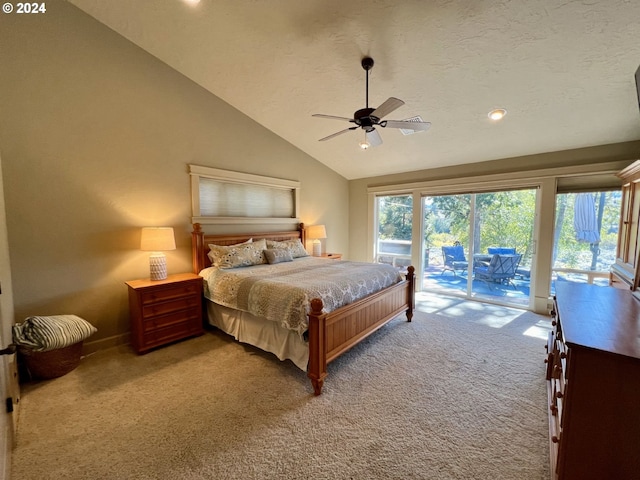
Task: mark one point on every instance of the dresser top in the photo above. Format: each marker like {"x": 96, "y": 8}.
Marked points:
{"x": 603, "y": 318}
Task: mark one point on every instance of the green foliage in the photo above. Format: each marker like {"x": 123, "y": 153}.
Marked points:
{"x": 395, "y": 217}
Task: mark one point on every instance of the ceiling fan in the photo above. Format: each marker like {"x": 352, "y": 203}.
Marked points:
{"x": 370, "y": 118}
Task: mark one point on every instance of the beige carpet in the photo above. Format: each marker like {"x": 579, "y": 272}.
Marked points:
{"x": 458, "y": 393}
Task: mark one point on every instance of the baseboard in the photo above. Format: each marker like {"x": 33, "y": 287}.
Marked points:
{"x": 103, "y": 343}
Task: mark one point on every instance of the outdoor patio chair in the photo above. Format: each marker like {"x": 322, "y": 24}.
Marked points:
{"x": 501, "y": 269}
{"x": 454, "y": 259}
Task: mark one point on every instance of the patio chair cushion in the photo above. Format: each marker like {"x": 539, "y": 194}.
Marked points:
{"x": 454, "y": 258}
{"x": 454, "y": 253}
{"x": 501, "y": 250}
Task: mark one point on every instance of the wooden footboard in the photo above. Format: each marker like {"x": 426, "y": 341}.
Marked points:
{"x": 331, "y": 334}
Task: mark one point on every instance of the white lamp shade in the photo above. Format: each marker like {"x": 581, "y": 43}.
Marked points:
{"x": 156, "y": 239}
{"x": 317, "y": 231}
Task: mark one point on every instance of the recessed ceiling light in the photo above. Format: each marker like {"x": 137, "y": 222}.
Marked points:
{"x": 497, "y": 114}
{"x": 191, "y": 2}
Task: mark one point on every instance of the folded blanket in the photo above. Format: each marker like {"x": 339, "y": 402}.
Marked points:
{"x": 42, "y": 334}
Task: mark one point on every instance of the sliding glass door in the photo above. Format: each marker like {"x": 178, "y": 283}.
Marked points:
{"x": 480, "y": 245}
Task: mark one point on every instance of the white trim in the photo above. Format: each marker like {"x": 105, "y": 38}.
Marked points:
{"x": 243, "y": 220}
{"x": 244, "y": 178}
{"x": 197, "y": 172}
{"x": 480, "y": 183}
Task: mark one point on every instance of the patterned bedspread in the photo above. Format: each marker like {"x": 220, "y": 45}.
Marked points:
{"x": 282, "y": 292}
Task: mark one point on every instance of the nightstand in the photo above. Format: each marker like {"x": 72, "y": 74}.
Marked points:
{"x": 332, "y": 256}
{"x": 163, "y": 311}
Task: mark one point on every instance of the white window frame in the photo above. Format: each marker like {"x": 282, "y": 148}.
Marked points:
{"x": 197, "y": 172}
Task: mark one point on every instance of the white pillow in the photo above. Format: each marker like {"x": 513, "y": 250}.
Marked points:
{"x": 243, "y": 255}
{"x": 222, "y": 247}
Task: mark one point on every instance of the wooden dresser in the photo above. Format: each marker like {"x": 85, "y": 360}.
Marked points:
{"x": 593, "y": 380}
{"x": 164, "y": 311}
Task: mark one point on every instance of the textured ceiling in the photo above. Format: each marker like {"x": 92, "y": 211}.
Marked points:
{"x": 563, "y": 70}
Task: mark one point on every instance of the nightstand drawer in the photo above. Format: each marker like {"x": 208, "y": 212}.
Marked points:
{"x": 163, "y": 308}
{"x": 171, "y": 292}
{"x": 176, "y": 318}
{"x": 170, "y": 333}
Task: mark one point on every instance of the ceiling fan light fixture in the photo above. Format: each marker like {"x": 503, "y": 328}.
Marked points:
{"x": 364, "y": 143}
{"x": 497, "y": 114}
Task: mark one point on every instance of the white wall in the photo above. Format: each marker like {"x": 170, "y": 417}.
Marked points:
{"x": 96, "y": 136}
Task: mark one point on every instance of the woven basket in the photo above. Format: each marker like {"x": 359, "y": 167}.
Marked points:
{"x": 51, "y": 364}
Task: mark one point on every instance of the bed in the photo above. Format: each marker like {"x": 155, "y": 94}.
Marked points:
{"x": 326, "y": 334}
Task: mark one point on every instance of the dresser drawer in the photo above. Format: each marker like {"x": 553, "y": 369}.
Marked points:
{"x": 184, "y": 289}
{"x": 169, "y": 333}
{"x": 163, "y": 308}
{"x": 191, "y": 315}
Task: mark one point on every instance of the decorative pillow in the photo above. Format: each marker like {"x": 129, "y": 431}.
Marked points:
{"x": 243, "y": 255}
{"x": 42, "y": 334}
{"x": 294, "y": 246}
{"x": 278, "y": 255}
{"x": 222, "y": 247}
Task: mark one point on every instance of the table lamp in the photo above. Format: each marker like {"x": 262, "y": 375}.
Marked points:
{"x": 316, "y": 232}
{"x": 157, "y": 239}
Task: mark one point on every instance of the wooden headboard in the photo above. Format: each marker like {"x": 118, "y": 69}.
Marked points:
{"x": 200, "y": 242}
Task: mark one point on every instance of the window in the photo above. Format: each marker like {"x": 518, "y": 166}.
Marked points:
{"x": 395, "y": 221}
{"x": 222, "y": 196}
{"x": 585, "y": 237}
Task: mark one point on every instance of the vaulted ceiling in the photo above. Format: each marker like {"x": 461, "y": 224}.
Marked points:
{"x": 563, "y": 70}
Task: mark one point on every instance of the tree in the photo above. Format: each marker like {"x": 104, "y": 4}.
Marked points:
{"x": 395, "y": 217}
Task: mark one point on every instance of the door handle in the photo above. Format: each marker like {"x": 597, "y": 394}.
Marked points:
{"x": 10, "y": 350}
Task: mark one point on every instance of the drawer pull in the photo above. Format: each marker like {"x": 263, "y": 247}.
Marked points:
{"x": 555, "y": 439}
{"x": 559, "y": 394}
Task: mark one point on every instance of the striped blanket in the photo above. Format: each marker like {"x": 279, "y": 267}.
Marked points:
{"x": 42, "y": 334}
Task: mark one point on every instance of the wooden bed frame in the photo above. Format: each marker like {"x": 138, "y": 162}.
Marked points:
{"x": 330, "y": 334}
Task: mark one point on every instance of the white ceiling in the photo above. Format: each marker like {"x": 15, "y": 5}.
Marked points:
{"x": 564, "y": 70}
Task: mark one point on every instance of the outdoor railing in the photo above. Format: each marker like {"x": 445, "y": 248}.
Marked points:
{"x": 591, "y": 274}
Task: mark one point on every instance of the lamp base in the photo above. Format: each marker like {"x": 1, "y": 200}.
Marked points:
{"x": 157, "y": 266}
{"x": 317, "y": 248}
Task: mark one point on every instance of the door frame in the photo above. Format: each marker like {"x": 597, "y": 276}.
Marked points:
{"x": 9, "y": 386}
{"x": 539, "y": 296}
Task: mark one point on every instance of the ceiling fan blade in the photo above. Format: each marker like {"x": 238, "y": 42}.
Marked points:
{"x": 387, "y": 107}
{"x": 407, "y": 125}
{"x": 336, "y": 134}
{"x": 320, "y": 115}
{"x": 373, "y": 138}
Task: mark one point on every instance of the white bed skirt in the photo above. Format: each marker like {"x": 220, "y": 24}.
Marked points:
{"x": 259, "y": 332}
